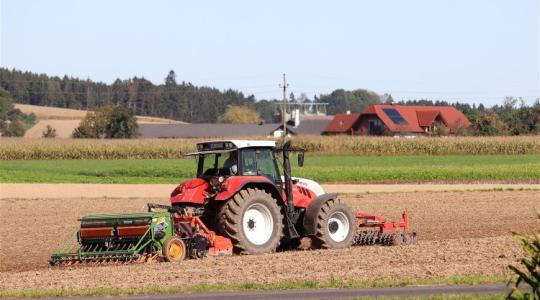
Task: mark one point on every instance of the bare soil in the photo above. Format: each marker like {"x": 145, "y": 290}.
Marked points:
{"x": 65, "y": 120}
{"x": 462, "y": 233}
{"x": 86, "y": 190}
{"x": 64, "y": 128}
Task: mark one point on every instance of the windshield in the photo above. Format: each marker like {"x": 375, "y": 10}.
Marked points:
{"x": 217, "y": 164}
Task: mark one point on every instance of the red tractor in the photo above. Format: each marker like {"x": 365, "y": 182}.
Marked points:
{"x": 240, "y": 194}
{"x": 240, "y": 203}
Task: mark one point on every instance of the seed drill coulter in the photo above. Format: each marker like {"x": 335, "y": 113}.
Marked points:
{"x": 238, "y": 203}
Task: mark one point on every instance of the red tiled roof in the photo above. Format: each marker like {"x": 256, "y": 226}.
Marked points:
{"x": 341, "y": 123}
{"x": 426, "y": 118}
{"x": 416, "y": 116}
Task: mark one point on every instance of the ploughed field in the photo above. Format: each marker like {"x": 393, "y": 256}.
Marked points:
{"x": 462, "y": 233}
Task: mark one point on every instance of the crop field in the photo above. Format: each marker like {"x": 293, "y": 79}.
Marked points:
{"x": 331, "y": 169}
{"x": 39, "y": 149}
{"x": 463, "y": 234}
{"x": 65, "y": 120}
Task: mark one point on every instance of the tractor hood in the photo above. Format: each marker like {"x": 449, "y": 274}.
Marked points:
{"x": 309, "y": 184}
{"x": 191, "y": 190}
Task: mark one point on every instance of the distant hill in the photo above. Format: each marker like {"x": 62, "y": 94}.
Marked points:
{"x": 65, "y": 120}
{"x": 171, "y": 100}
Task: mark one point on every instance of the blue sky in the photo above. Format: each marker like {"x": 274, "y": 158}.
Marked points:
{"x": 472, "y": 51}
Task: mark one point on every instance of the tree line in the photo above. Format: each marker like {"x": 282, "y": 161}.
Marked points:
{"x": 199, "y": 104}
{"x": 173, "y": 100}
{"x": 170, "y": 99}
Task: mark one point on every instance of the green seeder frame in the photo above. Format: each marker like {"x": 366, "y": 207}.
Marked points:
{"x": 124, "y": 250}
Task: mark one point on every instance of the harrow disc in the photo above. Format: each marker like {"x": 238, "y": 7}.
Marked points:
{"x": 373, "y": 237}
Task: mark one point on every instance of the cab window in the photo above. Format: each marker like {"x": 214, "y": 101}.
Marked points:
{"x": 265, "y": 164}
{"x": 249, "y": 163}
{"x": 259, "y": 162}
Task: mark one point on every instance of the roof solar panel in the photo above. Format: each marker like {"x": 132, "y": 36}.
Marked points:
{"x": 394, "y": 115}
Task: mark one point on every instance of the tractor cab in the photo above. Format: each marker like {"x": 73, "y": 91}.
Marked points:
{"x": 218, "y": 160}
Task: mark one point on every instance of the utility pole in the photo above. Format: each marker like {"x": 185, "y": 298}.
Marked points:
{"x": 284, "y": 86}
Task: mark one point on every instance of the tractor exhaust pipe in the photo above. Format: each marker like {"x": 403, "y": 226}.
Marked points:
{"x": 291, "y": 215}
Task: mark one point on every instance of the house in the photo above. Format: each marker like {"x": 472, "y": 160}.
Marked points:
{"x": 342, "y": 124}
{"x": 393, "y": 120}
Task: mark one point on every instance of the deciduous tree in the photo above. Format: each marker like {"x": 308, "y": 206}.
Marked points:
{"x": 240, "y": 115}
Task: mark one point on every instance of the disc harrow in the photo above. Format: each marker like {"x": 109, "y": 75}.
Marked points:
{"x": 376, "y": 230}
{"x": 373, "y": 237}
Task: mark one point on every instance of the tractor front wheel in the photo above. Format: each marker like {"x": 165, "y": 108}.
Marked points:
{"x": 335, "y": 225}
{"x": 253, "y": 221}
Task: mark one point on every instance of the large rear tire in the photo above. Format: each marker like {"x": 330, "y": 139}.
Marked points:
{"x": 253, "y": 221}
{"x": 335, "y": 225}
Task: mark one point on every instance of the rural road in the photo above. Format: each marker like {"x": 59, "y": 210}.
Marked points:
{"x": 329, "y": 293}
{"x": 50, "y": 190}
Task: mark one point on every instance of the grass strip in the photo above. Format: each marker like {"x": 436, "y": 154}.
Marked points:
{"x": 445, "y": 297}
{"x": 333, "y": 169}
{"x": 332, "y": 282}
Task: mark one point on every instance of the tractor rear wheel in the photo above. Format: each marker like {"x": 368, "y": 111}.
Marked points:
{"x": 174, "y": 249}
{"x": 336, "y": 225}
{"x": 253, "y": 221}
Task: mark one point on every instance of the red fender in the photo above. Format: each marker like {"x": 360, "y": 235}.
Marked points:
{"x": 196, "y": 190}
{"x": 233, "y": 184}
{"x": 190, "y": 191}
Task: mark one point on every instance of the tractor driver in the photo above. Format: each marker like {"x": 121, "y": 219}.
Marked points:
{"x": 231, "y": 164}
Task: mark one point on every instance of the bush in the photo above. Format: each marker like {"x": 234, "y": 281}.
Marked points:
{"x": 529, "y": 271}
{"x": 121, "y": 124}
{"x": 489, "y": 124}
{"x": 111, "y": 122}
{"x": 14, "y": 128}
{"x": 49, "y": 132}
{"x": 12, "y": 120}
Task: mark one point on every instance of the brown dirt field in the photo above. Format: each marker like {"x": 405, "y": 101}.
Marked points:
{"x": 462, "y": 233}
{"x": 87, "y": 190}
{"x": 57, "y": 113}
{"x": 46, "y": 112}
{"x": 65, "y": 120}
{"x": 64, "y": 128}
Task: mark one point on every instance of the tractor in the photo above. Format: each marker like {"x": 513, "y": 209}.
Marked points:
{"x": 240, "y": 203}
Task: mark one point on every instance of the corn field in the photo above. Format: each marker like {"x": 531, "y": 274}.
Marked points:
{"x": 42, "y": 149}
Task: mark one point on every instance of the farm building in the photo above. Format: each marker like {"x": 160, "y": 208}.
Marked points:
{"x": 393, "y": 120}
{"x": 211, "y": 130}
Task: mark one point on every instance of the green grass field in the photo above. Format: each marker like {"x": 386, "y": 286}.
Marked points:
{"x": 333, "y": 169}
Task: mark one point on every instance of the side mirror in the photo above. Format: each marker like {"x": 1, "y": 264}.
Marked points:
{"x": 301, "y": 159}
